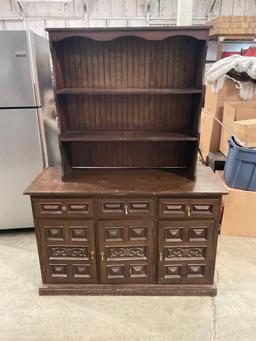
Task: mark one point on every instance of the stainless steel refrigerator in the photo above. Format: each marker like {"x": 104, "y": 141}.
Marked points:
{"x": 28, "y": 126}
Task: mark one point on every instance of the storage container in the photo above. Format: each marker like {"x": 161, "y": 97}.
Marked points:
{"x": 240, "y": 167}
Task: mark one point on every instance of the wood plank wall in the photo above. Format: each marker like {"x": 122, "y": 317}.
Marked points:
{"x": 107, "y": 13}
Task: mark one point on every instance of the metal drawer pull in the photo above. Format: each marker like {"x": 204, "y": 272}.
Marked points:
{"x": 64, "y": 208}
{"x": 92, "y": 255}
{"x": 188, "y": 211}
{"x": 161, "y": 256}
{"x": 126, "y": 209}
{"x": 102, "y": 256}
{"x": 51, "y": 207}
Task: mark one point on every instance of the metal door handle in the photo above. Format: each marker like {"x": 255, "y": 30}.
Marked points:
{"x": 64, "y": 208}
{"x": 102, "y": 256}
{"x": 126, "y": 209}
{"x": 92, "y": 255}
{"x": 188, "y": 211}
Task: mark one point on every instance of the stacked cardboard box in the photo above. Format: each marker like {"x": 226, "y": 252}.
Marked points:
{"x": 245, "y": 130}
{"x": 239, "y": 212}
{"x": 233, "y": 114}
{"x": 214, "y": 103}
{"x": 233, "y": 25}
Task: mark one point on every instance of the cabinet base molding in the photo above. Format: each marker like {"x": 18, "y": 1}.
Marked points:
{"x": 128, "y": 289}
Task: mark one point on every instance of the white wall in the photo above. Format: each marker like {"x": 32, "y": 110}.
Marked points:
{"x": 104, "y": 13}
{"x": 99, "y": 13}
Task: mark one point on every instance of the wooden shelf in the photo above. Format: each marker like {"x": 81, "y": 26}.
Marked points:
{"x": 133, "y": 135}
{"x": 127, "y": 91}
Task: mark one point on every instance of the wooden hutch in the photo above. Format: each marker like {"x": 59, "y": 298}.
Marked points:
{"x": 127, "y": 214}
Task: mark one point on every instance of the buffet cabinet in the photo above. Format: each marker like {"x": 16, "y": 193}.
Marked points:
{"x": 127, "y": 243}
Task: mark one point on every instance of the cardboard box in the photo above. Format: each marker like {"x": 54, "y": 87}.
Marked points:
{"x": 210, "y": 129}
{"x": 245, "y": 130}
{"x": 239, "y": 212}
{"x": 210, "y": 134}
{"x": 234, "y": 111}
{"x": 214, "y": 102}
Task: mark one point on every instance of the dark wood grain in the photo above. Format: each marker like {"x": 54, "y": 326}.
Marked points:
{"x": 130, "y": 289}
{"x": 106, "y": 34}
{"x": 124, "y": 135}
{"x": 123, "y": 182}
{"x": 131, "y": 91}
{"x": 130, "y": 80}
{"x": 127, "y": 98}
{"x": 127, "y": 232}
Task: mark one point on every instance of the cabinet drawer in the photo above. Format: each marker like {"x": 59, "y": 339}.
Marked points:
{"x": 126, "y": 207}
{"x": 188, "y": 208}
{"x": 77, "y": 207}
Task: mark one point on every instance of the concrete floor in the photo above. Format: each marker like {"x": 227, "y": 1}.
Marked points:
{"x": 26, "y": 316}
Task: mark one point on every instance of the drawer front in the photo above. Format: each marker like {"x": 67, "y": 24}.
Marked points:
{"x": 126, "y": 251}
{"x": 186, "y": 252}
{"x": 77, "y": 207}
{"x": 127, "y": 207}
{"x": 68, "y": 250}
{"x": 188, "y": 208}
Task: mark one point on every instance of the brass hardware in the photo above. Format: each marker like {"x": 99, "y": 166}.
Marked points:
{"x": 188, "y": 211}
{"x": 64, "y": 208}
{"x": 92, "y": 255}
{"x": 161, "y": 256}
{"x": 126, "y": 209}
{"x": 102, "y": 256}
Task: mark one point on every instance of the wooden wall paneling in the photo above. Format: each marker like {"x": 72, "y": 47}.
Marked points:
{"x": 48, "y": 9}
{"x": 141, "y": 56}
{"x": 14, "y": 25}
{"x": 216, "y": 9}
{"x": 135, "y": 112}
{"x": 250, "y": 8}
{"x": 154, "y": 8}
{"x": 116, "y": 8}
{"x": 55, "y": 23}
{"x": 37, "y": 26}
{"x": 141, "y": 10}
{"x": 97, "y": 22}
{"x": 130, "y": 154}
{"x": 167, "y": 8}
{"x": 65, "y": 152}
{"x": 227, "y": 7}
{"x": 130, "y": 8}
{"x": 239, "y": 7}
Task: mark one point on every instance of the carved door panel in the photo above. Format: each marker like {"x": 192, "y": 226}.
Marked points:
{"x": 68, "y": 248}
{"x": 185, "y": 252}
{"x": 126, "y": 251}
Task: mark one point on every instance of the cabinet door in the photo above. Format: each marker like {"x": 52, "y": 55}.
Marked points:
{"x": 68, "y": 249}
{"x": 126, "y": 251}
{"x": 185, "y": 252}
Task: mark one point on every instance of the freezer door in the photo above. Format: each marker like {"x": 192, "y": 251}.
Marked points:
{"x": 16, "y": 77}
{"x": 21, "y": 162}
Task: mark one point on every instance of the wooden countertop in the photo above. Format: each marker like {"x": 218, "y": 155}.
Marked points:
{"x": 123, "y": 182}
